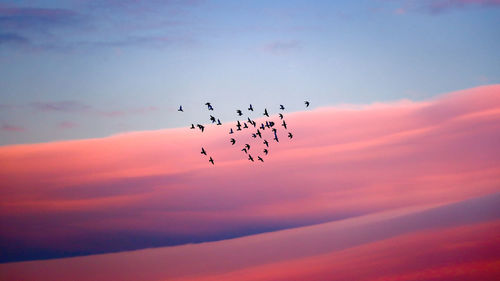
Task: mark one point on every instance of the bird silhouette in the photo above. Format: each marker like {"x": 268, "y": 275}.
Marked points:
{"x": 192, "y": 126}
{"x": 209, "y": 106}
{"x": 245, "y": 125}
{"x": 239, "y": 112}
{"x": 262, "y": 126}
{"x": 307, "y": 103}
{"x": 203, "y": 151}
{"x": 231, "y": 131}
{"x": 266, "y": 151}
{"x": 274, "y": 130}
{"x": 290, "y": 135}
{"x": 282, "y": 107}
{"x": 180, "y": 108}
{"x": 212, "y": 119}
{"x": 267, "y": 124}
{"x": 250, "y": 108}
{"x": 202, "y": 128}
{"x": 258, "y": 133}
{"x": 244, "y": 150}
{"x": 218, "y": 122}
{"x": 211, "y": 161}
{"x": 271, "y": 124}
{"x": 254, "y": 136}
{"x": 233, "y": 141}
{"x": 260, "y": 159}
{"x": 281, "y": 116}
{"x": 238, "y": 125}
{"x": 276, "y": 138}
{"x": 284, "y": 124}
{"x": 265, "y": 112}
{"x": 266, "y": 143}
{"x": 250, "y": 157}
{"x": 247, "y": 146}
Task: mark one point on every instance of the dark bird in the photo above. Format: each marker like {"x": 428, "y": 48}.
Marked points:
{"x": 254, "y": 136}
{"x": 212, "y": 119}
{"x": 307, "y": 103}
{"x": 238, "y": 125}
{"x": 192, "y": 126}
{"x": 274, "y": 131}
{"x": 239, "y": 112}
{"x": 281, "y": 116}
{"x": 218, "y": 122}
{"x": 271, "y": 123}
{"x": 180, "y": 108}
{"x": 258, "y": 133}
{"x": 265, "y": 112}
{"x": 276, "y": 138}
{"x": 266, "y": 151}
{"x": 260, "y": 159}
{"x": 250, "y": 108}
{"x": 209, "y": 106}
{"x": 267, "y": 124}
{"x": 211, "y": 161}
{"x": 284, "y": 124}
{"x": 266, "y": 143}
{"x": 282, "y": 107}
{"x": 262, "y": 126}
{"x": 245, "y": 125}
{"x": 233, "y": 141}
{"x": 247, "y": 146}
{"x": 231, "y": 131}
{"x": 203, "y": 151}
{"x": 250, "y": 157}
{"x": 290, "y": 135}
{"x": 250, "y": 120}
{"x": 244, "y": 150}
{"x": 202, "y": 128}
{"x": 254, "y": 124}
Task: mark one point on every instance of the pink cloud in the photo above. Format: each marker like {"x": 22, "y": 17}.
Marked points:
{"x": 155, "y": 188}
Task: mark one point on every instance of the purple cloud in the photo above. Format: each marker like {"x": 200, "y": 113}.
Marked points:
{"x": 11, "y": 128}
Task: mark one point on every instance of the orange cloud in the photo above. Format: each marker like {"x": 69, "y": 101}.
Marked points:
{"x": 154, "y": 188}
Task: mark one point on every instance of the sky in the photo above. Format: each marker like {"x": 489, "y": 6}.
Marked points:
{"x": 83, "y": 69}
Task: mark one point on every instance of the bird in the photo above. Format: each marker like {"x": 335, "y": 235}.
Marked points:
{"x": 180, "y": 108}
{"x": 209, "y": 106}
{"x": 280, "y": 115}
{"x": 276, "y": 138}
{"x": 250, "y": 108}
{"x": 271, "y": 124}
{"x": 267, "y": 124}
{"x": 202, "y": 128}
{"x": 211, "y": 161}
{"x": 262, "y": 126}
{"x": 265, "y": 112}
{"x": 218, "y": 122}
{"x": 239, "y": 112}
{"x": 238, "y": 125}
{"x": 266, "y": 143}
{"x": 233, "y": 141}
{"x": 247, "y": 146}
{"x": 231, "y": 131}
{"x": 266, "y": 151}
{"x": 307, "y": 103}
{"x": 244, "y": 150}
{"x": 274, "y": 130}
{"x": 212, "y": 119}
{"x": 254, "y": 136}
{"x": 258, "y": 133}
{"x": 250, "y": 157}
{"x": 284, "y": 124}
{"x": 192, "y": 126}
{"x": 245, "y": 125}
{"x": 203, "y": 151}
{"x": 282, "y": 107}
{"x": 260, "y": 159}
{"x": 290, "y": 135}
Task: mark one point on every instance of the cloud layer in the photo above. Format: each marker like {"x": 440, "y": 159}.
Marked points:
{"x": 154, "y": 188}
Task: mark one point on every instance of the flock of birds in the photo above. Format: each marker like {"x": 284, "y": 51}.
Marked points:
{"x": 257, "y": 131}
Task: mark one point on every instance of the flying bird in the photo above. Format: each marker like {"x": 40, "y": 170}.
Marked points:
{"x": 245, "y": 125}
{"x": 254, "y": 136}
{"x": 231, "y": 131}
{"x": 211, "y": 161}
{"x": 276, "y": 138}
{"x": 281, "y": 116}
{"x": 282, "y": 107}
{"x": 271, "y": 123}
{"x": 212, "y": 119}
{"x": 238, "y": 125}
{"x": 262, "y": 126}
{"x": 209, "y": 106}
{"x": 260, "y": 159}
{"x": 180, "y": 108}
{"x": 250, "y": 157}
{"x": 265, "y": 112}
{"x": 202, "y": 128}
{"x": 247, "y": 146}
{"x": 284, "y": 124}
{"x": 203, "y": 151}
{"x": 266, "y": 143}
{"x": 307, "y": 103}
{"x": 250, "y": 108}
{"x": 258, "y": 133}
{"x": 239, "y": 112}
{"x": 233, "y": 141}
{"x": 266, "y": 151}
{"x": 290, "y": 135}
{"x": 192, "y": 126}
{"x": 244, "y": 150}
{"x": 218, "y": 122}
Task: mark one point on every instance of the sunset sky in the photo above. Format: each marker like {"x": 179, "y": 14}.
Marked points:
{"x": 393, "y": 172}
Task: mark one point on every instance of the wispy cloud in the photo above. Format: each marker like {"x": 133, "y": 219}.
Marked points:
{"x": 67, "y": 125}
{"x": 11, "y": 128}
{"x": 61, "y": 106}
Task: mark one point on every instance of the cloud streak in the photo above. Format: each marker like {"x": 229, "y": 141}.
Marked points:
{"x": 148, "y": 189}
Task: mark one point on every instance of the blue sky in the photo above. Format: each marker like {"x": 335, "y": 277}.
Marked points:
{"x": 85, "y": 69}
